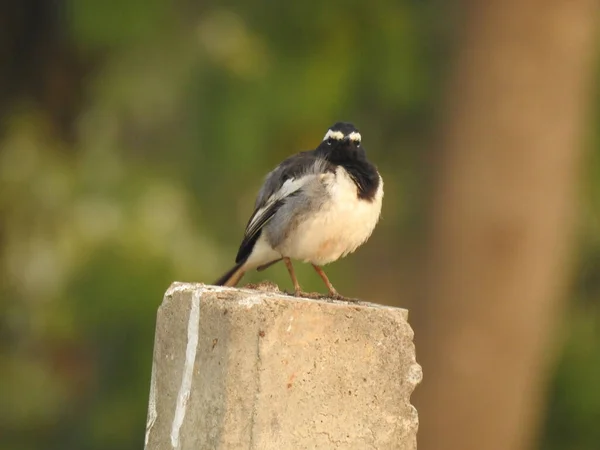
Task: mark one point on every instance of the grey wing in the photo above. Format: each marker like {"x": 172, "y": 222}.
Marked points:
{"x": 303, "y": 163}
{"x": 281, "y": 185}
{"x": 256, "y": 224}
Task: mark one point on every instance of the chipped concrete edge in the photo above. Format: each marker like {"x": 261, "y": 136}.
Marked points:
{"x": 414, "y": 377}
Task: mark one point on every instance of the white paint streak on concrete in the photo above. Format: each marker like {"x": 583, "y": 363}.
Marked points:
{"x": 152, "y": 414}
{"x": 188, "y": 368}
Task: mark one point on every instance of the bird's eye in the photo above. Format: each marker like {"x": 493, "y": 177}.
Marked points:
{"x": 329, "y": 141}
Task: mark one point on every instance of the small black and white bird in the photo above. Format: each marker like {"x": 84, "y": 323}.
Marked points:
{"x": 316, "y": 206}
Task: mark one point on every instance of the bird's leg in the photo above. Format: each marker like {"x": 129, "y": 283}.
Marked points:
{"x": 332, "y": 292}
{"x": 290, "y": 268}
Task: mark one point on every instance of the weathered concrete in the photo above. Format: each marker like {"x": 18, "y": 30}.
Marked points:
{"x": 244, "y": 369}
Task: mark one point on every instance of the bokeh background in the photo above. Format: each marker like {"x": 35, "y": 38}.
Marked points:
{"x": 134, "y": 136}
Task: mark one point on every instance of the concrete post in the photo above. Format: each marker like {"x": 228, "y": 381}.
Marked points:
{"x": 260, "y": 370}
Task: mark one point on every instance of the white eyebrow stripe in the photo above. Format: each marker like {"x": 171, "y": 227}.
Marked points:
{"x": 337, "y": 135}
{"x": 355, "y": 136}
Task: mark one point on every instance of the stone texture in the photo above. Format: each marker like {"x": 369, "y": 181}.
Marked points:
{"x": 246, "y": 369}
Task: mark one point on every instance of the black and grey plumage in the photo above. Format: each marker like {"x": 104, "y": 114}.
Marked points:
{"x": 316, "y": 206}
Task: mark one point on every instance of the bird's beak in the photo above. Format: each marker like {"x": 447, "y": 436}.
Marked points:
{"x": 346, "y": 139}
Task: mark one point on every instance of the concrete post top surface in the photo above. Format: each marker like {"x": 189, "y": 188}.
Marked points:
{"x": 259, "y": 293}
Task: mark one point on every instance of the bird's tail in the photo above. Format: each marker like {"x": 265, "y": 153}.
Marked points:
{"x": 232, "y": 276}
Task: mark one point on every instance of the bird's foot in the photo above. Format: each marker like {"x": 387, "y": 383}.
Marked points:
{"x": 333, "y": 294}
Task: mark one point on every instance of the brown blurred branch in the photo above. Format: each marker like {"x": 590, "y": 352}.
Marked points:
{"x": 502, "y": 219}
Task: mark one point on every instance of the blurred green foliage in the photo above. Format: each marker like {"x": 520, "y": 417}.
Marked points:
{"x": 185, "y": 109}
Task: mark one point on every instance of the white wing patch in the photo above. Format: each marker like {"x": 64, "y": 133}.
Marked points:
{"x": 289, "y": 187}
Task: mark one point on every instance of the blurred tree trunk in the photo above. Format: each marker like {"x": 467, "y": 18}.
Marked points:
{"x": 501, "y": 220}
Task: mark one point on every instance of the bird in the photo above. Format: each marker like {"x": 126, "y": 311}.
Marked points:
{"x": 316, "y": 207}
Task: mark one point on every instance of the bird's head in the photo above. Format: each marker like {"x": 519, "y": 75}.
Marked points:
{"x": 342, "y": 141}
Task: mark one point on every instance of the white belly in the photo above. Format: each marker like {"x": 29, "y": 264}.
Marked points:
{"x": 340, "y": 227}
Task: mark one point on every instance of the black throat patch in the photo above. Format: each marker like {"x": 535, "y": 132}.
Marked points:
{"x": 361, "y": 171}
{"x": 365, "y": 177}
